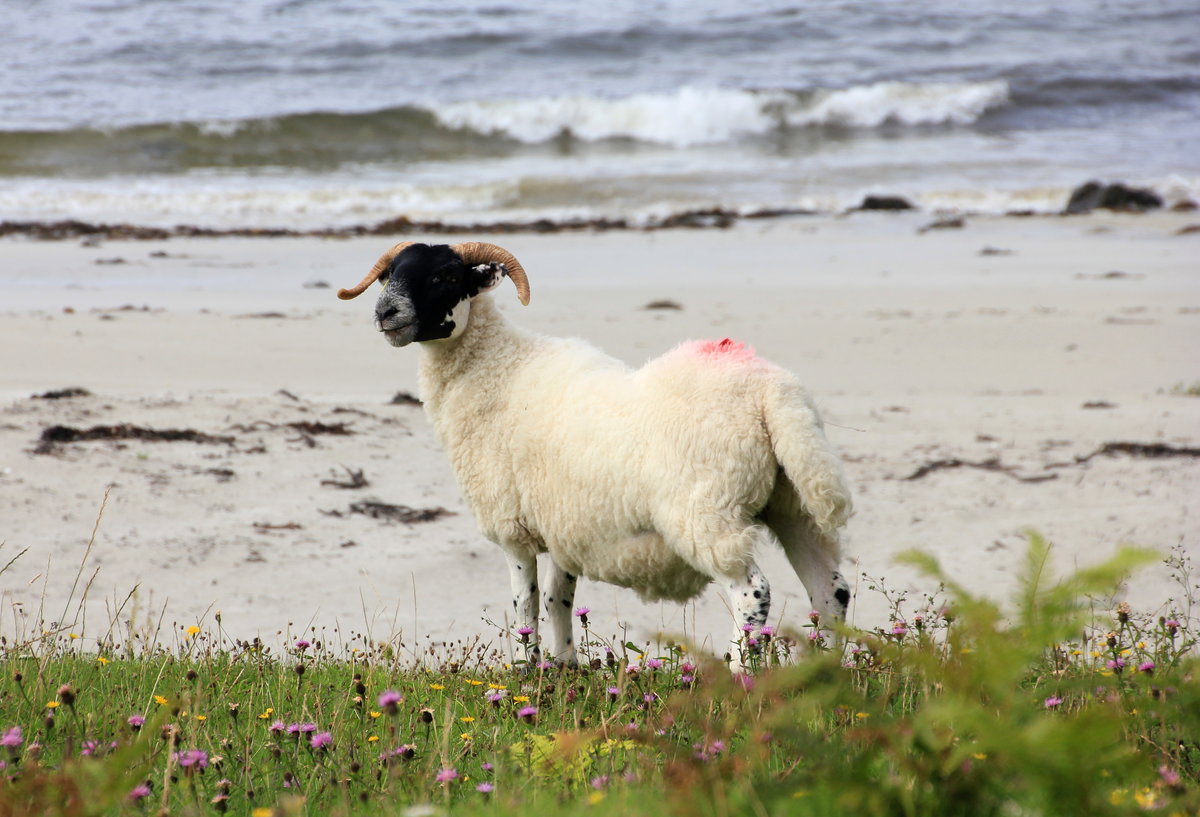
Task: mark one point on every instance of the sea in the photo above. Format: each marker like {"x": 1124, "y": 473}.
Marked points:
{"x": 314, "y": 114}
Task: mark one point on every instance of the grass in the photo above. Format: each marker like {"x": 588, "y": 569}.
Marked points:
{"x": 955, "y": 706}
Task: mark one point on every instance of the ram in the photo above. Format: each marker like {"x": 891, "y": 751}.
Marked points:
{"x": 660, "y": 479}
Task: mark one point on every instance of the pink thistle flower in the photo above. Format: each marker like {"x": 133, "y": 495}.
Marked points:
{"x": 302, "y": 645}
{"x": 321, "y": 740}
{"x": 814, "y": 617}
{"x": 139, "y": 792}
{"x": 446, "y": 775}
{"x": 582, "y": 611}
{"x": 1146, "y": 667}
{"x": 136, "y": 722}
{"x": 12, "y": 738}
{"x": 277, "y": 726}
{"x": 485, "y": 788}
{"x": 900, "y": 628}
{"x": 389, "y": 701}
{"x": 525, "y": 632}
{"x": 487, "y": 767}
{"x": 600, "y": 782}
{"x": 1052, "y": 701}
{"x": 613, "y": 693}
{"x": 191, "y": 759}
{"x": 654, "y": 663}
{"x": 528, "y": 713}
{"x": 1169, "y": 775}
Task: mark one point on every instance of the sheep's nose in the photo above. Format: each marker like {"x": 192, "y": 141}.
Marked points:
{"x": 382, "y": 313}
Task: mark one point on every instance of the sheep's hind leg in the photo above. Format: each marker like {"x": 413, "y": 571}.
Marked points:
{"x": 750, "y": 595}
{"x": 560, "y": 595}
{"x": 815, "y": 557}
{"x": 522, "y": 573}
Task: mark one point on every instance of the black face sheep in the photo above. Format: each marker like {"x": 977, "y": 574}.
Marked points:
{"x": 660, "y": 479}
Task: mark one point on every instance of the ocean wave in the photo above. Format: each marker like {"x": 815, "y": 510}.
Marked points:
{"x": 699, "y": 116}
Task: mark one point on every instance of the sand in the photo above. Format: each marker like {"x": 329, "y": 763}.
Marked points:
{"x": 1029, "y": 342}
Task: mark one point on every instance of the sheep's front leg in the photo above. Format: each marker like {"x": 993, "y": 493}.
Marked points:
{"x": 560, "y": 595}
{"x": 522, "y": 573}
{"x": 750, "y": 595}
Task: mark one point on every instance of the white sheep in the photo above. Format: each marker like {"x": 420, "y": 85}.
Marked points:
{"x": 660, "y": 479}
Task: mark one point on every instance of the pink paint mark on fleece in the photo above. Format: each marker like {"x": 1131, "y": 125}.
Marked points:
{"x": 726, "y": 349}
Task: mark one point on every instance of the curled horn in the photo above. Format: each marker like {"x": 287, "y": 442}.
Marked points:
{"x": 479, "y": 252}
{"x": 380, "y": 267}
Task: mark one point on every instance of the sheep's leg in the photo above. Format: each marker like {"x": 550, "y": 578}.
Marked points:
{"x": 750, "y": 596}
{"x": 815, "y": 557}
{"x": 522, "y": 573}
{"x": 560, "y": 595}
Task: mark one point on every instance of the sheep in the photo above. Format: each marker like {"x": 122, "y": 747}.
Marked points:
{"x": 661, "y": 479}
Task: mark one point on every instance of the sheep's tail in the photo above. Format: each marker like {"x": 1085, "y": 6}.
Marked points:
{"x": 813, "y": 467}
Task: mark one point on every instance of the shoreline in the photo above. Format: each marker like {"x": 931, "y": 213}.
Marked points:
{"x": 919, "y": 347}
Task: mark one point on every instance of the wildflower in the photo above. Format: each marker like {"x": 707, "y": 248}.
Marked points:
{"x": 302, "y": 644}
{"x": 52, "y": 704}
{"x": 321, "y": 740}
{"x": 277, "y": 726}
{"x": 373, "y": 714}
{"x": 266, "y": 713}
{"x": 1123, "y": 610}
{"x": 1052, "y": 701}
{"x": 582, "y": 611}
{"x": 494, "y": 696}
{"x": 654, "y": 663}
{"x": 446, "y": 775}
{"x": 528, "y": 714}
{"x": 191, "y": 759}
{"x": 160, "y": 700}
{"x": 436, "y": 687}
{"x": 473, "y": 682}
{"x": 191, "y": 631}
{"x": 467, "y": 719}
{"x": 1172, "y": 625}
{"x": 389, "y": 700}
{"x": 1116, "y": 664}
{"x": 900, "y": 628}
{"x": 600, "y": 782}
{"x": 767, "y": 632}
{"x": 466, "y": 736}
{"x": 521, "y": 699}
{"x": 1146, "y": 667}
{"x": 12, "y": 738}
{"x": 1169, "y": 775}
{"x": 66, "y": 695}
{"x": 525, "y": 632}
{"x": 101, "y": 660}
{"x": 487, "y": 767}
{"x": 485, "y": 788}
{"x": 686, "y": 680}
{"x": 138, "y": 792}
{"x": 613, "y": 693}
{"x": 814, "y": 617}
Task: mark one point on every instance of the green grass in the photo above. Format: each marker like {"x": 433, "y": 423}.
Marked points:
{"x": 953, "y": 707}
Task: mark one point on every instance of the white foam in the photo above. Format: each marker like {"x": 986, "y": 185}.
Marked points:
{"x": 696, "y": 116}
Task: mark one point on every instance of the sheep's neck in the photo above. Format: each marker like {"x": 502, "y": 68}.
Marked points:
{"x": 472, "y": 364}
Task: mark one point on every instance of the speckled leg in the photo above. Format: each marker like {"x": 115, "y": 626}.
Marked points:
{"x": 560, "y": 595}
{"x": 750, "y": 596}
{"x": 815, "y": 559}
{"x": 522, "y": 573}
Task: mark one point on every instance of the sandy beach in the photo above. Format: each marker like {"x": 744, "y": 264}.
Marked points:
{"x": 969, "y": 376}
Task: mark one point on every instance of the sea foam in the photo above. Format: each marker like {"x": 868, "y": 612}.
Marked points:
{"x": 696, "y": 116}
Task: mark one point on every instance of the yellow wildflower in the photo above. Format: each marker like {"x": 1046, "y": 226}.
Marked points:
{"x": 980, "y": 755}
{"x": 474, "y": 683}
{"x": 375, "y": 714}
{"x": 372, "y": 738}
{"x": 266, "y": 713}
{"x": 262, "y": 811}
{"x": 465, "y": 736}
{"x": 52, "y": 705}
{"x": 466, "y": 719}
{"x": 596, "y": 797}
{"x": 201, "y": 717}
{"x": 521, "y": 699}
{"x": 497, "y": 686}
{"x": 191, "y": 631}
{"x": 102, "y": 660}
{"x": 74, "y": 636}
{"x": 437, "y": 687}
{"x": 862, "y": 715}
{"x": 160, "y": 700}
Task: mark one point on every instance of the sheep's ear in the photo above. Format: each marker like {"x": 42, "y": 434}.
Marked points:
{"x": 488, "y": 276}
